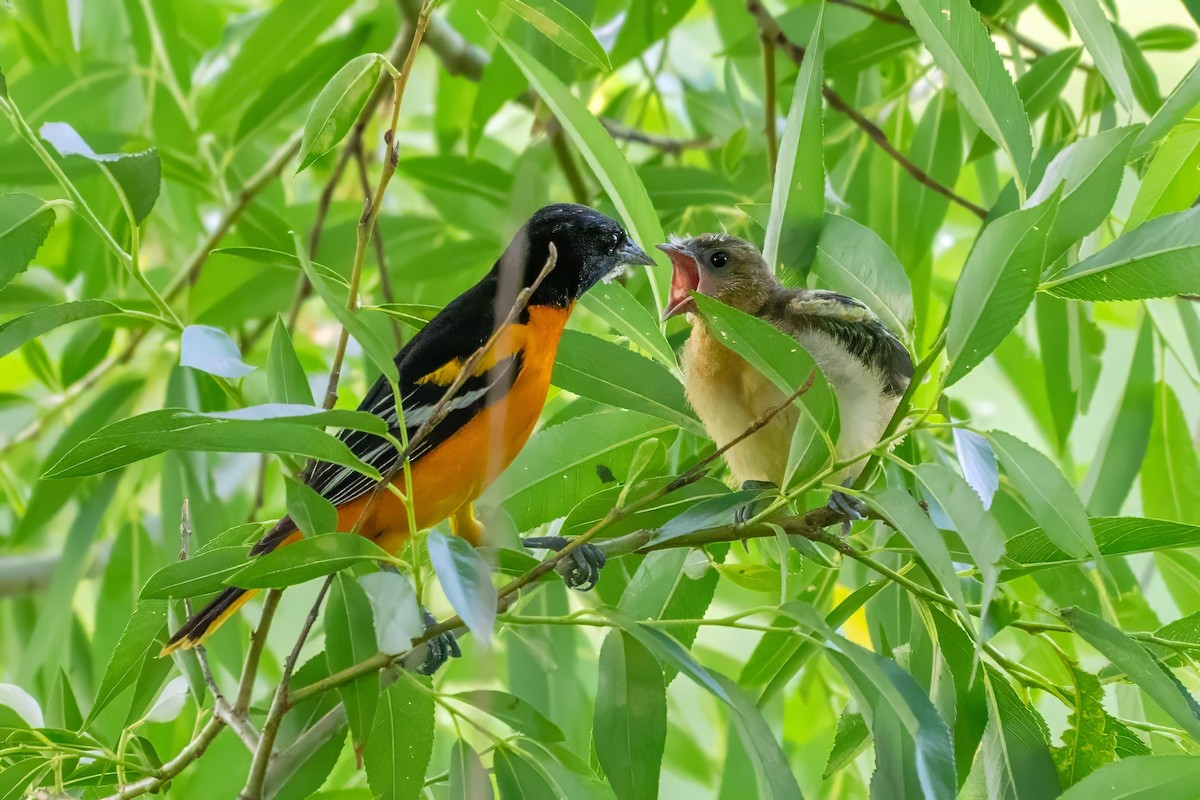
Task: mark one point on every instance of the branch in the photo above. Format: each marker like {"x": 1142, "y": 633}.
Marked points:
{"x": 668, "y": 144}
{"x": 770, "y": 29}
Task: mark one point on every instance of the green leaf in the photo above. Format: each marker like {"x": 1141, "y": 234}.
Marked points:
{"x": 1170, "y": 38}
{"x": 1051, "y": 499}
{"x": 139, "y": 175}
{"x": 798, "y": 189}
{"x": 1114, "y": 536}
{"x": 1178, "y": 104}
{"x": 1140, "y": 778}
{"x": 286, "y": 381}
{"x": 1140, "y": 665}
{"x": 601, "y": 153}
{"x": 1090, "y": 172}
{"x": 1141, "y": 75}
{"x": 853, "y": 260}
{"x": 851, "y": 739}
{"x": 17, "y": 332}
{"x": 212, "y": 350}
{"x": 1017, "y": 761}
{"x": 468, "y": 778}
{"x": 338, "y": 107}
{"x": 906, "y": 516}
{"x": 775, "y": 779}
{"x": 614, "y": 304}
{"x": 312, "y": 513}
{"x": 608, "y": 373}
{"x": 471, "y": 176}
{"x": 998, "y": 282}
{"x": 1170, "y": 474}
{"x": 281, "y": 35}
{"x": 350, "y": 639}
{"x": 559, "y": 466}
{"x": 1172, "y": 181}
{"x": 144, "y": 634}
{"x": 311, "y": 557}
{"x": 1089, "y": 742}
{"x": 25, "y": 222}
{"x": 200, "y": 574}
{"x": 467, "y": 581}
{"x": 630, "y": 724}
{"x": 517, "y": 777}
{"x": 1045, "y": 80}
{"x": 1124, "y": 442}
{"x": 257, "y": 429}
{"x": 514, "y": 712}
{"x": 398, "y": 750}
{"x": 564, "y": 28}
{"x": 1101, "y": 42}
{"x": 963, "y": 48}
{"x": 977, "y": 528}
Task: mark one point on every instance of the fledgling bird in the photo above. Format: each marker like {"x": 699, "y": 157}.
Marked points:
{"x": 490, "y": 416}
{"x": 866, "y": 364}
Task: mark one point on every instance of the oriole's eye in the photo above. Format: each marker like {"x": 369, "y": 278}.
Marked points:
{"x": 719, "y": 259}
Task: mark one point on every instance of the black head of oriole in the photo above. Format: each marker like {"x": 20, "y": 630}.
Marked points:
{"x": 489, "y": 417}
{"x": 866, "y": 364}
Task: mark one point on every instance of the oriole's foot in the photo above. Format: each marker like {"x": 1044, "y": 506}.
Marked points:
{"x": 849, "y": 506}
{"x": 439, "y": 649}
{"x": 744, "y": 513}
{"x": 581, "y": 568}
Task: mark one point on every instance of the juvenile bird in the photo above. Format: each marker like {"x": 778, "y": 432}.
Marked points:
{"x": 490, "y": 417}
{"x": 865, "y": 363}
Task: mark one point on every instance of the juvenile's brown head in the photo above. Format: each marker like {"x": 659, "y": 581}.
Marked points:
{"x": 723, "y": 267}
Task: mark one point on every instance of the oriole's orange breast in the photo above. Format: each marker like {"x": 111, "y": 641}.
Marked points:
{"x": 456, "y": 471}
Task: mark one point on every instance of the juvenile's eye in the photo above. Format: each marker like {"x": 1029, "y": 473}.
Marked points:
{"x": 719, "y": 259}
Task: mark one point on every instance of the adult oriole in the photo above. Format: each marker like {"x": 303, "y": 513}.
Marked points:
{"x": 490, "y": 417}
{"x": 867, "y": 366}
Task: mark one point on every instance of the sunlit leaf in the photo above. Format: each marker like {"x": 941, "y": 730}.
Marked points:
{"x": 338, "y": 106}
{"x": 1101, "y": 42}
{"x": 400, "y": 744}
{"x": 212, "y": 350}
{"x": 631, "y": 724}
{"x": 350, "y": 639}
{"x": 562, "y": 27}
{"x": 25, "y": 221}
{"x": 467, "y": 582}
{"x": 308, "y": 558}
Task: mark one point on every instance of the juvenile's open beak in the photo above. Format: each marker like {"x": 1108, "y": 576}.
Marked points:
{"x": 685, "y": 278}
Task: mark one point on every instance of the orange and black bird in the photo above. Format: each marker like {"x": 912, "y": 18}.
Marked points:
{"x": 490, "y": 416}
{"x": 865, "y": 363}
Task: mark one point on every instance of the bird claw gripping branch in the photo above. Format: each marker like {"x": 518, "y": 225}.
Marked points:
{"x": 439, "y": 649}
{"x": 580, "y": 568}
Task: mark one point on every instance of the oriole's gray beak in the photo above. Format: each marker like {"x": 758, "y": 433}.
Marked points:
{"x": 632, "y": 254}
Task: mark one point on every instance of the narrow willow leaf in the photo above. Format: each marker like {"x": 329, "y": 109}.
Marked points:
{"x": 853, "y": 260}
{"x": 300, "y": 432}
{"x": 957, "y": 650}
{"x": 1114, "y": 536}
{"x": 25, "y": 222}
{"x": 978, "y": 464}
{"x": 1140, "y": 665}
{"x": 852, "y": 738}
{"x": 1141, "y": 75}
{"x": 1178, "y": 104}
{"x": 516, "y": 776}
{"x": 963, "y": 48}
{"x": 199, "y": 574}
{"x": 1170, "y": 475}
{"x": 598, "y": 149}
{"x": 937, "y": 148}
{"x": 286, "y": 381}
{"x": 1051, "y": 499}
{"x": 798, "y": 189}
{"x": 1170, "y": 38}
{"x": 211, "y": 350}
{"x": 614, "y": 304}
{"x": 350, "y": 639}
{"x": 998, "y": 282}
{"x": 1101, "y": 42}
{"x": 27, "y": 327}
{"x": 1017, "y": 762}
{"x": 139, "y": 175}
{"x": 394, "y": 606}
{"x": 144, "y": 634}
{"x": 1172, "y": 181}
{"x": 312, "y": 513}
{"x": 1089, "y": 742}
{"x": 468, "y": 778}
{"x": 401, "y": 743}
{"x": 467, "y": 581}
{"x": 630, "y": 724}
{"x": 563, "y": 27}
{"x": 608, "y": 373}
{"x": 337, "y": 107}
{"x": 1141, "y": 778}
{"x": 311, "y": 557}
{"x": 514, "y": 712}
{"x": 1045, "y": 80}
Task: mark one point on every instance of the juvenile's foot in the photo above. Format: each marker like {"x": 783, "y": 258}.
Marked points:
{"x": 850, "y": 507}
{"x": 744, "y": 513}
{"x": 440, "y": 648}
{"x": 581, "y": 568}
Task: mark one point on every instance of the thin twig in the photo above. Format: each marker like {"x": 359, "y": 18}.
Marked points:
{"x": 385, "y": 280}
{"x": 566, "y": 162}
{"x": 667, "y": 144}
{"x": 770, "y": 29}
{"x": 769, "y": 119}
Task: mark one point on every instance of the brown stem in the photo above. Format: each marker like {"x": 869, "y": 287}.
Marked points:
{"x": 770, "y": 29}
{"x": 566, "y": 162}
{"x": 385, "y": 280}
{"x": 768, "y": 49}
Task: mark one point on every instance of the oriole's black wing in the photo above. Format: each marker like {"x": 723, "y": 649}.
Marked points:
{"x": 427, "y": 365}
